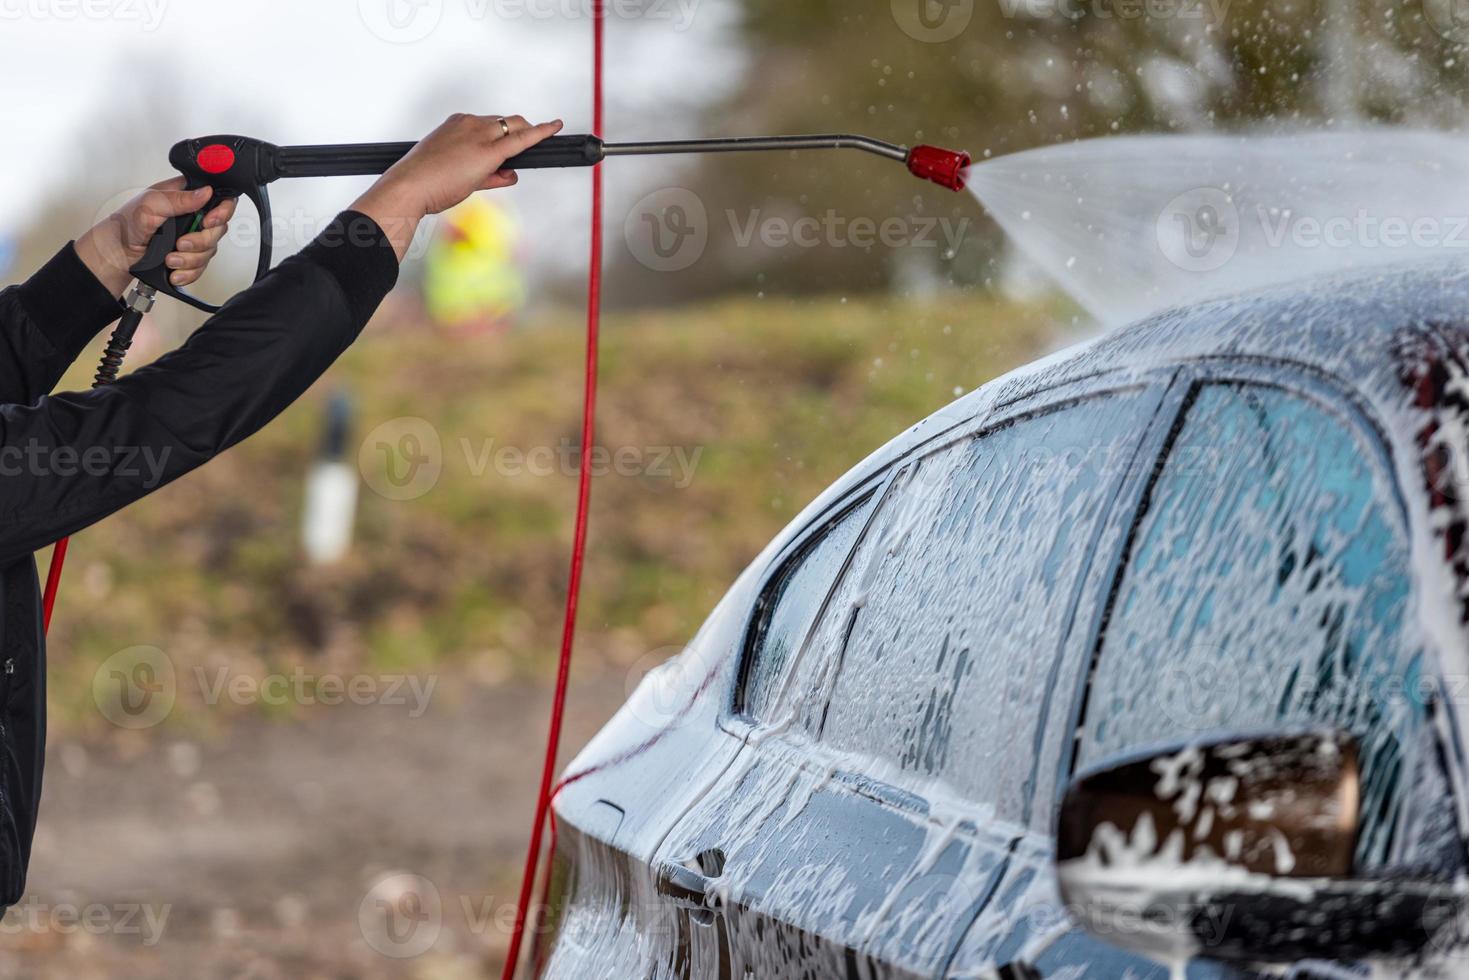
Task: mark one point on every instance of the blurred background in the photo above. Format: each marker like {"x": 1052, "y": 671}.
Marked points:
{"x": 347, "y": 625}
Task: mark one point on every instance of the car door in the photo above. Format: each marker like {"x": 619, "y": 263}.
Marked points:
{"x": 1265, "y": 584}
{"x": 890, "y": 722}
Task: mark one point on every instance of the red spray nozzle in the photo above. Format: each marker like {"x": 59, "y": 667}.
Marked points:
{"x": 947, "y": 168}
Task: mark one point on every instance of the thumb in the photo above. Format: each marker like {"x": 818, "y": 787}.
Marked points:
{"x": 170, "y": 203}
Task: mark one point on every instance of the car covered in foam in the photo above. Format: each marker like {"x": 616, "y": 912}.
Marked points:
{"x": 1149, "y": 656}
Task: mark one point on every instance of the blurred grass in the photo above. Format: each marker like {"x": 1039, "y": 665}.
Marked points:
{"x": 771, "y": 399}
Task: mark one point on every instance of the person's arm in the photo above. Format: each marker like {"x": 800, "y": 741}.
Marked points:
{"x": 46, "y": 321}
{"x": 70, "y": 459}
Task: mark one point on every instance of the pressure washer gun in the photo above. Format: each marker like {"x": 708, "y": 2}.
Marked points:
{"x": 237, "y": 166}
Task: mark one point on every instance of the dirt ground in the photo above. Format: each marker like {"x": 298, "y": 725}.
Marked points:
{"x": 251, "y": 857}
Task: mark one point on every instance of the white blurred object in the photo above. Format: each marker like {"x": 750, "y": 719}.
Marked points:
{"x": 330, "y": 512}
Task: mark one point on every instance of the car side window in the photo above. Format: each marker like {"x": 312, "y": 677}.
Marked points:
{"x": 788, "y": 606}
{"x": 956, "y": 605}
{"x": 1268, "y": 586}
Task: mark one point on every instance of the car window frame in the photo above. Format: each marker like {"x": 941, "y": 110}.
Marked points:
{"x": 791, "y": 558}
{"x": 1331, "y": 394}
{"x": 732, "y": 718}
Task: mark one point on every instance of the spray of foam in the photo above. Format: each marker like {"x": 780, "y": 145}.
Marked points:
{"x": 1131, "y": 225}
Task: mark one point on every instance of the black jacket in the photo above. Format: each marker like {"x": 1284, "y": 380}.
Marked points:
{"x": 69, "y": 460}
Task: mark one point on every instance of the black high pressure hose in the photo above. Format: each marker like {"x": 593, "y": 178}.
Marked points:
{"x": 138, "y": 302}
{"x": 117, "y": 348}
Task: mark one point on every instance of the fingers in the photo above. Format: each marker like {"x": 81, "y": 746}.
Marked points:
{"x": 513, "y": 124}
{"x": 222, "y": 214}
{"x": 187, "y": 267}
{"x": 162, "y": 204}
{"x": 216, "y": 224}
{"x": 521, "y": 140}
{"x": 196, "y": 250}
{"x": 203, "y": 241}
{"x": 464, "y": 154}
{"x": 500, "y": 178}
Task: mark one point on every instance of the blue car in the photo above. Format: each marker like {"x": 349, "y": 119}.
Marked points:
{"x": 1147, "y": 660}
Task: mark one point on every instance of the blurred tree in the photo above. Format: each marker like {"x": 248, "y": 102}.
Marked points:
{"x": 996, "y": 76}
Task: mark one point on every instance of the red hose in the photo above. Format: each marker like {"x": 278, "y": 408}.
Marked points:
{"x": 53, "y": 583}
{"x": 579, "y": 542}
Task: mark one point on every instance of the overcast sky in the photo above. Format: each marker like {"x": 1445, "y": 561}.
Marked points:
{"x": 311, "y": 71}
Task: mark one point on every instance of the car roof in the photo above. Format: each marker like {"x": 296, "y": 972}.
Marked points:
{"x": 1364, "y": 328}
{"x": 1361, "y": 327}
{"x": 1356, "y": 326}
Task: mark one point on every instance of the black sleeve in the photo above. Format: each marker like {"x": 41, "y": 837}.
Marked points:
{"x": 71, "y": 459}
{"x": 46, "y": 321}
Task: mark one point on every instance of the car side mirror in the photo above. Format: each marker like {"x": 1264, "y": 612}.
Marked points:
{"x": 1238, "y": 849}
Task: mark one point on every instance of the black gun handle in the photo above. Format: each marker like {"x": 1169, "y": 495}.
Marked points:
{"x": 234, "y": 166}
{"x": 150, "y": 269}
